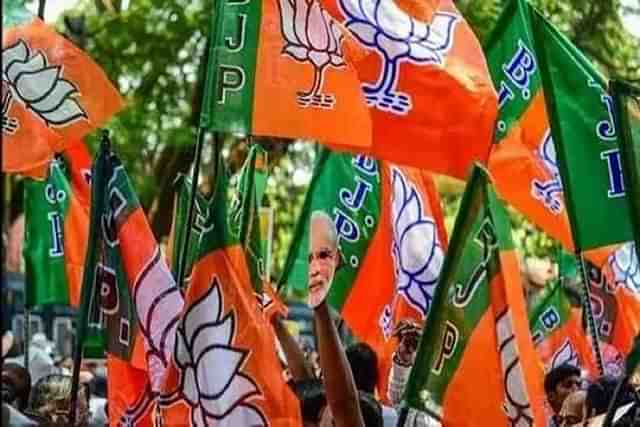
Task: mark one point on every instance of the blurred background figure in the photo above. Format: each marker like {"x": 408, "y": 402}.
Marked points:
{"x": 50, "y": 400}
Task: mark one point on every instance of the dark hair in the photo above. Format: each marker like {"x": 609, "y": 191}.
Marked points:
{"x": 371, "y": 410}
{"x": 557, "y": 375}
{"x": 16, "y": 385}
{"x": 364, "y": 366}
{"x": 599, "y": 395}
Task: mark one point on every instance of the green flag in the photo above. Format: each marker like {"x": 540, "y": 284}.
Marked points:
{"x": 627, "y": 108}
{"x": 47, "y": 204}
{"x": 587, "y": 146}
{"x": 244, "y": 221}
{"x": 14, "y": 13}
{"x": 202, "y": 208}
{"x": 356, "y": 214}
{"x": 477, "y": 336}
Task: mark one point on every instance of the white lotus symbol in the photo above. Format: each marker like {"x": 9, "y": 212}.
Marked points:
{"x": 40, "y": 87}
{"x": 565, "y": 355}
{"x": 516, "y": 404}
{"x": 311, "y": 35}
{"x": 417, "y": 253}
{"x": 625, "y": 266}
{"x": 158, "y": 305}
{"x": 210, "y": 367}
{"x": 10, "y": 125}
{"x": 549, "y": 192}
{"x": 382, "y": 26}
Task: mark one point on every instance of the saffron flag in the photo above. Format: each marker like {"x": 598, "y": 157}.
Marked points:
{"x": 392, "y": 239}
{"x": 52, "y": 94}
{"x": 478, "y": 321}
{"x": 523, "y": 160}
{"x": 285, "y": 50}
{"x": 56, "y": 229}
{"x": 136, "y": 295}
{"x": 224, "y": 370}
{"x": 558, "y": 334}
{"x": 585, "y": 138}
{"x": 425, "y": 80}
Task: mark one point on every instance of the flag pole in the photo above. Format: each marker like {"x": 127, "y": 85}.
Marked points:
{"x": 98, "y": 190}
{"x": 591, "y": 322}
{"x": 41, "y": 5}
{"x": 182, "y": 260}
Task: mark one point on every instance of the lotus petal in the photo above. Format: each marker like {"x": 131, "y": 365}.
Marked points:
{"x": 431, "y": 273}
{"x": 393, "y": 21}
{"x": 67, "y": 113}
{"x": 317, "y": 29}
{"x": 417, "y": 245}
{"x": 33, "y": 86}
{"x": 300, "y": 53}
{"x": 410, "y": 213}
{"x": 237, "y": 391}
{"x": 198, "y": 419}
{"x": 243, "y": 415}
{"x": 207, "y": 307}
{"x": 287, "y": 23}
{"x": 352, "y": 8}
{"x": 336, "y": 60}
{"x": 335, "y": 34}
{"x": 565, "y": 355}
{"x": 319, "y": 58}
{"x": 61, "y": 91}
{"x": 424, "y": 53}
{"x": 213, "y": 383}
{"x": 181, "y": 353}
{"x": 441, "y": 30}
{"x": 418, "y": 297}
{"x": 300, "y": 22}
{"x": 34, "y": 64}
{"x": 392, "y": 48}
{"x": 190, "y": 387}
{"x": 364, "y": 32}
{"x": 209, "y": 334}
{"x": 19, "y": 52}
{"x": 399, "y": 193}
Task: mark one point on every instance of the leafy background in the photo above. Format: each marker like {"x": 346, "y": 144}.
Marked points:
{"x": 152, "y": 50}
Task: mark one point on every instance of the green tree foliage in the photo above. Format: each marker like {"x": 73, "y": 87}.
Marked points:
{"x": 152, "y": 50}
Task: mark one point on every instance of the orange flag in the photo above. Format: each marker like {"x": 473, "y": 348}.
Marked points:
{"x": 224, "y": 370}
{"x": 52, "y": 93}
{"x": 427, "y": 84}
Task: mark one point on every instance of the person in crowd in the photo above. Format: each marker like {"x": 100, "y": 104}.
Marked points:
{"x": 50, "y": 401}
{"x": 559, "y": 383}
{"x": 572, "y": 411}
{"x": 363, "y": 361}
{"x": 16, "y": 385}
{"x": 600, "y": 393}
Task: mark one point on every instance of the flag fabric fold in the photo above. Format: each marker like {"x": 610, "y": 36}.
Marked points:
{"x": 585, "y": 138}
{"x": 52, "y": 94}
{"x": 392, "y": 240}
{"x": 478, "y": 319}
{"x": 224, "y": 370}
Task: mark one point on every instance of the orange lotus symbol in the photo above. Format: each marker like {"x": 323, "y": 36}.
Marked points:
{"x": 311, "y": 36}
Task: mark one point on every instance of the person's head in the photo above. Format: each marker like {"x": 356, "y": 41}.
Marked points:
{"x": 559, "y": 383}
{"x": 324, "y": 256}
{"x": 364, "y": 366}
{"x": 599, "y": 394}
{"x": 572, "y": 411}
{"x": 16, "y": 385}
{"x": 51, "y": 398}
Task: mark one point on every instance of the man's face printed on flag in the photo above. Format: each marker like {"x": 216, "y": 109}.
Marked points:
{"x": 323, "y": 258}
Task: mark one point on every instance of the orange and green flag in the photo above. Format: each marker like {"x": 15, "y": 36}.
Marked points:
{"x": 224, "y": 369}
{"x": 56, "y": 229}
{"x": 290, "y": 51}
{"x": 392, "y": 238}
{"x": 52, "y": 93}
{"x": 131, "y": 287}
{"x": 425, "y": 80}
{"x": 558, "y": 335}
{"x": 477, "y": 335}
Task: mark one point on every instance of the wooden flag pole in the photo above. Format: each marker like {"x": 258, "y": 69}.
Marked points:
{"x": 591, "y": 322}
{"x": 98, "y": 190}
